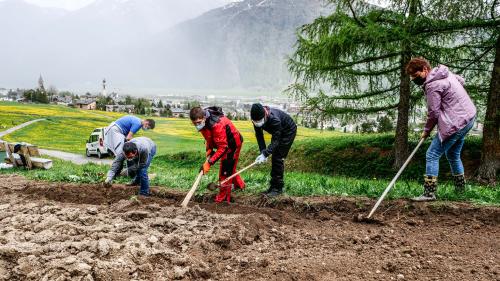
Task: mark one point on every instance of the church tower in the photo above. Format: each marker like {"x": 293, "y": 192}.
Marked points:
{"x": 41, "y": 87}
{"x": 104, "y": 87}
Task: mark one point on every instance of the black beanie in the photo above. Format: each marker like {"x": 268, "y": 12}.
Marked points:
{"x": 257, "y": 112}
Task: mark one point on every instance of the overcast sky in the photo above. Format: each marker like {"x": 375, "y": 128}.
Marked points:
{"x": 76, "y": 4}
{"x": 65, "y": 4}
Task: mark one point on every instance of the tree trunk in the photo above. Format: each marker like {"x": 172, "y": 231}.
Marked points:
{"x": 490, "y": 151}
{"x": 401, "y": 138}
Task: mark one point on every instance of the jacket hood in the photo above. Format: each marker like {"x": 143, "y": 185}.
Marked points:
{"x": 437, "y": 73}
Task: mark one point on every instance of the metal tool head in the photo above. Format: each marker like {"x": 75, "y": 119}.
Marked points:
{"x": 212, "y": 186}
{"x": 360, "y": 218}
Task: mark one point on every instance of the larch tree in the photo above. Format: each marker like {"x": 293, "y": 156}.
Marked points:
{"x": 353, "y": 61}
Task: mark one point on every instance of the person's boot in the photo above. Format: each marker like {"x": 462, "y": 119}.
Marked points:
{"x": 430, "y": 188}
{"x": 224, "y": 194}
{"x": 459, "y": 181}
{"x": 273, "y": 192}
{"x": 144, "y": 193}
{"x": 276, "y": 187}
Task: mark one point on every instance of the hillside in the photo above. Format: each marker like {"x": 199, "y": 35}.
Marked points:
{"x": 171, "y": 134}
{"x": 153, "y": 44}
{"x": 76, "y": 49}
{"x": 242, "y": 45}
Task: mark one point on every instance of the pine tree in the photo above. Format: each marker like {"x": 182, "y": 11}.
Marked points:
{"x": 359, "y": 54}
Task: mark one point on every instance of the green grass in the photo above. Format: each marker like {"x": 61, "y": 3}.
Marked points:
{"x": 320, "y": 163}
{"x": 67, "y": 129}
{"x": 9, "y": 120}
{"x": 180, "y": 175}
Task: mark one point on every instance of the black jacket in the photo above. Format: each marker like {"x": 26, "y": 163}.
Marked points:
{"x": 282, "y": 128}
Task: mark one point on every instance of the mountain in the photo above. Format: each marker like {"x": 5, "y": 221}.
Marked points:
{"x": 242, "y": 45}
{"x": 153, "y": 44}
{"x": 75, "y": 49}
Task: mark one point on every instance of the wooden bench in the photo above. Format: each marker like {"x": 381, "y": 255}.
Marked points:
{"x": 30, "y": 154}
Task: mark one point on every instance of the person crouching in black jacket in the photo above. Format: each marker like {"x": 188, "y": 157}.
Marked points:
{"x": 283, "y": 130}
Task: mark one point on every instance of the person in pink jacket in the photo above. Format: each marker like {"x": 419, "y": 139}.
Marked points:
{"x": 451, "y": 109}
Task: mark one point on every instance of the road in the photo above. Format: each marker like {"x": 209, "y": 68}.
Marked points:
{"x": 72, "y": 157}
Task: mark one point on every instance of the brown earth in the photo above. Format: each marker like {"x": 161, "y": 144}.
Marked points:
{"x": 87, "y": 232}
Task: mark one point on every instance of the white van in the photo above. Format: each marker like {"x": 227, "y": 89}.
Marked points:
{"x": 95, "y": 144}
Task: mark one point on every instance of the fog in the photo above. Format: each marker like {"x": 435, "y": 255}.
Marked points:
{"x": 152, "y": 46}
{"x": 76, "y": 49}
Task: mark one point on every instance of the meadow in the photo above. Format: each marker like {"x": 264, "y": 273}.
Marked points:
{"x": 319, "y": 164}
{"x": 67, "y": 129}
{"x": 178, "y": 174}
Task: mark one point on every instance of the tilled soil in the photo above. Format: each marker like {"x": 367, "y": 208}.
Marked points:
{"x": 87, "y": 232}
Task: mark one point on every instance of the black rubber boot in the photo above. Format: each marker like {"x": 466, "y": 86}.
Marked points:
{"x": 459, "y": 181}
{"x": 273, "y": 192}
{"x": 430, "y": 188}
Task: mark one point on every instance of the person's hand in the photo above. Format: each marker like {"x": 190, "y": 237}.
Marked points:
{"x": 108, "y": 182}
{"x": 206, "y": 168}
{"x": 261, "y": 159}
{"x": 424, "y": 135}
{"x": 210, "y": 152}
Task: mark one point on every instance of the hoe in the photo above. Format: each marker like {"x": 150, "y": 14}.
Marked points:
{"x": 212, "y": 186}
{"x": 368, "y": 219}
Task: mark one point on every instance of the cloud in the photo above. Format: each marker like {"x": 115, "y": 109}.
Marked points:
{"x": 64, "y": 4}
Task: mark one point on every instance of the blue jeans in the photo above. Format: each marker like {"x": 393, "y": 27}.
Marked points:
{"x": 452, "y": 147}
{"x": 142, "y": 174}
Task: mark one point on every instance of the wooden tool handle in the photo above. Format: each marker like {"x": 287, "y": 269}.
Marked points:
{"x": 192, "y": 191}
{"x": 239, "y": 172}
{"x": 391, "y": 184}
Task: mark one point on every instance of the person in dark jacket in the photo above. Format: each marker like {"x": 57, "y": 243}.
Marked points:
{"x": 223, "y": 142}
{"x": 283, "y": 130}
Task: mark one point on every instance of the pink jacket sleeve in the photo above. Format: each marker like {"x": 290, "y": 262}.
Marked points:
{"x": 433, "y": 95}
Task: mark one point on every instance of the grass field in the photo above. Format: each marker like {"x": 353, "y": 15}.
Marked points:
{"x": 67, "y": 129}
{"x": 180, "y": 175}
{"x": 9, "y": 120}
{"x": 320, "y": 163}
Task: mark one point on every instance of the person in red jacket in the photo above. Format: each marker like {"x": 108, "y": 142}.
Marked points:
{"x": 224, "y": 142}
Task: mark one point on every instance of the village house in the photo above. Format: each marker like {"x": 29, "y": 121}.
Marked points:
{"x": 179, "y": 112}
{"x": 85, "y": 104}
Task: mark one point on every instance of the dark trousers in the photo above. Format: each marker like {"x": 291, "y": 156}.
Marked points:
{"x": 278, "y": 164}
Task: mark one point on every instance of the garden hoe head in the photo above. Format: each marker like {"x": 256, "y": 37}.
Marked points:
{"x": 361, "y": 218}
{"x": 212, "y": 186}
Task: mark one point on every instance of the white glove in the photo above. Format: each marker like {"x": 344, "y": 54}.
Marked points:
{"x": 108, "y": 182}
{"x": 261, "y": 159}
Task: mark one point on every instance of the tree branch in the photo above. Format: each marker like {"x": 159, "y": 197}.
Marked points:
{"x": 354, "y": 14}
{"x": 350, "y": 110}
{"x": 370, "y": 59}
{"x": 455, "y": 26}
{"x": 365, "y": 95}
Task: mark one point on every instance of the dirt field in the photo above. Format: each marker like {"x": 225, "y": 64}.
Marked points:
{"x": 83, "y": 232}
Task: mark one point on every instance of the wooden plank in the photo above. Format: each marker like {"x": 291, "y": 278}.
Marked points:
{"x": 10, "y": 148}
{"x": 2, "y": 146}
{"x": 25, "y": 152}
{"x": 33, "y": 151}
{"x": 41, "y": 163}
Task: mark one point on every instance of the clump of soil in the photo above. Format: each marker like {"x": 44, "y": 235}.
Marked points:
{"x": 87, "y": 232}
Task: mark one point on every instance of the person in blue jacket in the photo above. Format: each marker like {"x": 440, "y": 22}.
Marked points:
{"x": 123, "y": 130}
